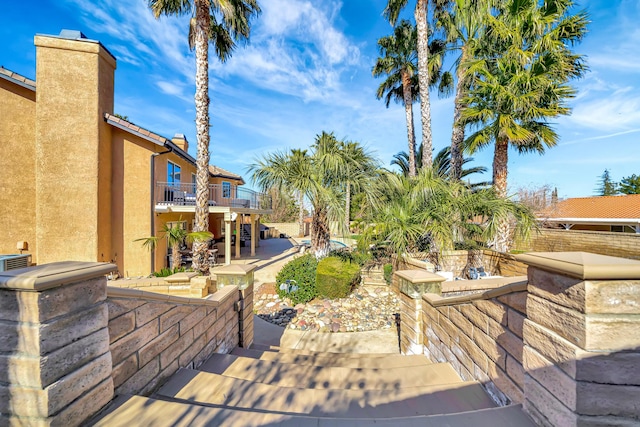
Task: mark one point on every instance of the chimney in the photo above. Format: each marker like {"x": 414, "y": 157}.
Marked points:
{"x": 181, "y": 141}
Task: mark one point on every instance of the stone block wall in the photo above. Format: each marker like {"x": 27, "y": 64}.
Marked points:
{"x": 565, "y": 343}
{"x": 624, "y": 245}
{"x": 494, "y": 263}
{"x": 481, "y": 339}
{"x": 151, "y": 337}
{"x": 68, "y": 343}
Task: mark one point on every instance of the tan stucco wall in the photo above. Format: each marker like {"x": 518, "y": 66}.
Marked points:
{"x": 17, "y": 167}
{"x": 73, "y": 153}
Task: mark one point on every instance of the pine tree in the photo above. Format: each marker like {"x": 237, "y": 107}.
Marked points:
{"x": 607, "y": 186}
{"x": 630, "y": 185}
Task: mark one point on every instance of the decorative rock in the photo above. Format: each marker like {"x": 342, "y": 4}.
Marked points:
{"x": 270, "y": 304}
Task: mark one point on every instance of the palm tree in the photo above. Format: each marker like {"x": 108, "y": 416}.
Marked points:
{"x": 318, "y": 175}
{"x": 434, "y": 211}
{"x": 520, "y": 82}
{"x": 299, "y": 156}
{"x": 176, "y": 235}
{"x": 223, "y": 22}
{"x": 392, "y": 13}
{"x": 358, "y": 173}
{"x": 399, "y": 62}
{"x": 441, "y": 164}
{"x": 463, "y": 25}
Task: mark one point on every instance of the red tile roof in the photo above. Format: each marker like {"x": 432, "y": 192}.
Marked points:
{"x": 627, "y": 206}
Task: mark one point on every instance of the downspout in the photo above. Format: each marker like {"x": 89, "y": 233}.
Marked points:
{"x": 152, "y": 161}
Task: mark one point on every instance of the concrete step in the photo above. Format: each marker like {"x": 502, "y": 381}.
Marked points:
{"x": 211, "y": 389}
{"x": 301, "y": 351}
{"x": 144, "y": 411}
{"x": 262, "y": 347}
{"x": 339, "y": 360}
{"x": 320, "y": 377}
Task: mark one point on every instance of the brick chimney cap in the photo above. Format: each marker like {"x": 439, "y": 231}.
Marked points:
{"x": 72, "y": 34}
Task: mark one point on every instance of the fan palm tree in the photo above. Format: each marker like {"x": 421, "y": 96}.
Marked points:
{"x": 521, "y": 82}
{"x": 434, "y": 209}
{"x": 358, "y": 174}
{"x": 176, "y": 235}
{"x": 399, "y": 62}
{"x": 441, "y": 164}
{"x": 224, "y": 23}
{"x": 320, "y": 176}
{"x": 392, "y": 13}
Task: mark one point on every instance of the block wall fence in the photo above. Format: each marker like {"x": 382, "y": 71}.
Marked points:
{"x": 69, "y": 344}
{"x": 564, "y": 342}
{"x": 624, "y": 245}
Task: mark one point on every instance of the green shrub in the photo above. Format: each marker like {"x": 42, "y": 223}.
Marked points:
{"x": 166, "y": 272}
{"x": 301, "y": 272}
{"x": 335, "y": 278}
{"x": 388, "y": 273}
{"x": 356, "y": 256}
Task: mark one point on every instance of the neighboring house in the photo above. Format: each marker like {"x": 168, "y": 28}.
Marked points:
{"x": 599, "y": 213}
{"x": 79, "y": 183}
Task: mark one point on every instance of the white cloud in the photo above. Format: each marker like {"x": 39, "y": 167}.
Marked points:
{"x": 618, "y": 112}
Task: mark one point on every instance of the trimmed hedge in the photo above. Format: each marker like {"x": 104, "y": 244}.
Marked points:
{"x": 301, "y": 272}
{"x": 335, "y": 278}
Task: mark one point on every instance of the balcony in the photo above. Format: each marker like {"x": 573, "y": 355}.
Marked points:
{"x": 233, "y": 196}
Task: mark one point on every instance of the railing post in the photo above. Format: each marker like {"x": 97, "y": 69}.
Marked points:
{"x": 581, "y": 339}
{"x": 411, "y": 285}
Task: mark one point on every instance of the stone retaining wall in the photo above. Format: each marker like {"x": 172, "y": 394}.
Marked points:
{"x": 481, "y": 339}
{"x": 150, "y": 339}
{"x": 494, "y": 263}
{"x": 68, "y": 344}
{"x": 565, "y": 344}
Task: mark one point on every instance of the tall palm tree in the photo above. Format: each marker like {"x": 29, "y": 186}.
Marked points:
{"x": 521, "y": 81}
{"x": 399, "y": 62}
{"x": 299, "y": 156}
{"x": 463, "y": 24}
{"x": 392, "y": 13}
{"x": 176, "y": 235}
{"x": 224, "y": 23}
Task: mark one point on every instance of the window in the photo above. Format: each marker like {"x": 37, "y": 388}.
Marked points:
{"x": 193, "y": 182}
{"x": 173, "y": 173}
{"x": 226, "y": 189}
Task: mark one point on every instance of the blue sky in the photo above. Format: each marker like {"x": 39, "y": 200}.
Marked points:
{"x": 307, "y": 69}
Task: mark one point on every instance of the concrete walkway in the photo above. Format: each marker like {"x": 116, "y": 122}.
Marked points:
{"x": 382, "y": 341}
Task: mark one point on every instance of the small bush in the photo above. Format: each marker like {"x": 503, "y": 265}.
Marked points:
{"x": 166, "y": 272}
{"x": 388, "y": 273}
{"x": 335, "y": 278}
{"x": 302, "y": 270}
{"x": 355, "y": 256}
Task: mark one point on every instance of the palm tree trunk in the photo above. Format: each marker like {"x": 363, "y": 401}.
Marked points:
{"x": 320, "y": 234}
{"x": 411, "y": 134}
{"x": 200, "y": 258}
{"x": 423, "y": 78}
{"x": 347, "y": 210}
{"x": 176, "y": 257}
{"x": 500, "y": 159}
{"x": 301, "y": 213}
{"x": 457, "y": 134}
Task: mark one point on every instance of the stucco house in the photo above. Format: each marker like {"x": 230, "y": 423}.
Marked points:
{"x": 599, "y": 213}
{"x": 80, "y": 183}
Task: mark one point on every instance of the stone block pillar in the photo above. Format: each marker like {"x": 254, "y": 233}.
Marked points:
{"x": 411, "y": 285}
{"x": 245, "y": 315}
{"x": 581, "y": 337}
{"x": 55, "y": 364}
